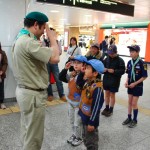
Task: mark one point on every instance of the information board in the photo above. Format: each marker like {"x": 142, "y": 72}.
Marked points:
{"x": 100, "y": 5}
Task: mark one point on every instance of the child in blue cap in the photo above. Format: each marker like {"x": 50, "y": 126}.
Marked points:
{"x": 137, "y": 73}
{"x": 92, "y": 98}
{"x": 73, "y": 97}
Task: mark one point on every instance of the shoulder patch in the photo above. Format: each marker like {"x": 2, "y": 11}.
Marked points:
{"x": 93, "y": 85}
{"x": 145, "y": 66}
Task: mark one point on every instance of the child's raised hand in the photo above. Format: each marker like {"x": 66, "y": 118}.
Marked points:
{"x": 68, "y": 65}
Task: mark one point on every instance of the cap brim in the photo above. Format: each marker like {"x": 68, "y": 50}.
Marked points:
{"x": 77, "y": 59}
{"x": 132, "y": 48}
{"x": 95, "y": 46}
{"x": 86, "y": 61}
{"x": 110, "y": 52}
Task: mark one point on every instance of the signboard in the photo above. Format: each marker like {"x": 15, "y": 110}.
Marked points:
{"x": 100, "y": 5}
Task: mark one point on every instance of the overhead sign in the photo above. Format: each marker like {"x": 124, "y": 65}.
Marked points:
{"x": 100, "y": 5}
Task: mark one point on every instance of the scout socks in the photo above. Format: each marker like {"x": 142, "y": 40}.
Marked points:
{"x": 135, "y": 113}
{"x": 111, "y": 109}
{"x": 129, "y": 117}
{"x": 107, "y": 107}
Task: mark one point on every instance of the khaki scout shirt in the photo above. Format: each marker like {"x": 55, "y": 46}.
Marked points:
{"x": 29, "y": 62}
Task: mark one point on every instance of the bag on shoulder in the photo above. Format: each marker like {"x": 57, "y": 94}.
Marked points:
{"x": 71, "y": 68}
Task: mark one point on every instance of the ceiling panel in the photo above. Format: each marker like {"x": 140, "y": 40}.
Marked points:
{"x": 78, "y": 16}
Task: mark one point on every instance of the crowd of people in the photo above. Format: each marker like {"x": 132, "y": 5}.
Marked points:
{"x": 92, "y": 80}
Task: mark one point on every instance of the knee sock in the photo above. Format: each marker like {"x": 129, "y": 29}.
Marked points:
{"x": 129, "y": 117}
{"x": 111, "y": 109}
{"x": 107, "y": 107}
{"x": 135, "y": 113}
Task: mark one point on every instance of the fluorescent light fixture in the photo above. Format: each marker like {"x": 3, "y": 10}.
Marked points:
{"x": 63, "y": 19}
{"x": 67, "y": 24}
{"x": 88, "y": 15}
{"x": 54, "y": 11}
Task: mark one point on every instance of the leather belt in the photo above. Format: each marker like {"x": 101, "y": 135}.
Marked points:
{"x": 29, "y": 88}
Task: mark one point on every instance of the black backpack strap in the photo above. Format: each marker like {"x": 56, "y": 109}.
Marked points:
{"x": 74, "y": 50}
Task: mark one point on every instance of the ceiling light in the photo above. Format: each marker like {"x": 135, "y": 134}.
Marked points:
{"x": 54, "y": 11}
{"x": 67, "y": 24}
{"x": 62, "y": 19}
{"x": 88, "y": 15}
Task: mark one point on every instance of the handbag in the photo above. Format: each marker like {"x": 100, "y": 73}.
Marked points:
{"x": 71, "y": 68}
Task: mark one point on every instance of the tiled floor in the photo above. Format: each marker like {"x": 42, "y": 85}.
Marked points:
{"x": 112, "y": 135}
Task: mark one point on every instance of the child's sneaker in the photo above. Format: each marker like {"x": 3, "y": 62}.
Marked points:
{"x": 108, "y": 114}
{"x": 71, "y": 139}
{"x": 105, "y": 112}
{"x": 77, "y": 141}
{"x": 132, "y": 124}
{"x": 127, "y": 121}
{"x": 2, "y": 106}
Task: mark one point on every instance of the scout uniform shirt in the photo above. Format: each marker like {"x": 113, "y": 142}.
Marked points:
{"x": 139, "y": 70}
{"x": 74, "y": 93}
{"x": 92, "y": 99}
{"x": 29, "y": 62}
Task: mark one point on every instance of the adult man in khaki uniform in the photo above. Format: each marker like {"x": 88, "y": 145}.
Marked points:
{"x": 29, "y": 61}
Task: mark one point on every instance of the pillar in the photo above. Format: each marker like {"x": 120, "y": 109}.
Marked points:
{"x": 147, "y": 53}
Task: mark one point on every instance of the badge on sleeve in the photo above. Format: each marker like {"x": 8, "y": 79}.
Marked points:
{"x": 145, "y": 66}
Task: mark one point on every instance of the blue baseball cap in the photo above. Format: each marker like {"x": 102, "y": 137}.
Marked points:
{"x": 96, "y": 64}
{"x": 80, "y": 58}
{"x": 134, "y": 48}
{"x": 112, "y": 49}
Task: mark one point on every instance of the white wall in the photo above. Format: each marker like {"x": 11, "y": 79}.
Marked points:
{"x": 12, "y": 13}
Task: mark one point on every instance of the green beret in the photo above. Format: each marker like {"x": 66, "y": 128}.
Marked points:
{"x": 38, "y": 16}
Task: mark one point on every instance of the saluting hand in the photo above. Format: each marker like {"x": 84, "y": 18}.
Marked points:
{"x": 50, "y": 33}
{"x": 68, "y": 65}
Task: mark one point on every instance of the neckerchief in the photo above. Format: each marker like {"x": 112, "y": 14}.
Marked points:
{"x": 24, "y": 32}
{"x": 89, "y": 83}
{"x": 132, "y": 71}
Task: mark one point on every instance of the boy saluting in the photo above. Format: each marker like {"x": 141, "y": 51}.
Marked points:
{"x": 137, "y": 73}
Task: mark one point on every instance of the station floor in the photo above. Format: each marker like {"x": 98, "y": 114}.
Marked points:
{"x": 112, "y": 134}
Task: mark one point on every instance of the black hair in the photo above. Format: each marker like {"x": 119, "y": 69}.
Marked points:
{"x": 30, "y": 22}
{"x": 106, "y": 37}
{"x": 93, "y": 70}
{"x": 73, "y": 38}
{"x": 98, "y": 75}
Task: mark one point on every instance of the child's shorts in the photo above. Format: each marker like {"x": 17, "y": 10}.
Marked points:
{"x": 136, "y": 91}
{"x": 111, "y": 89}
